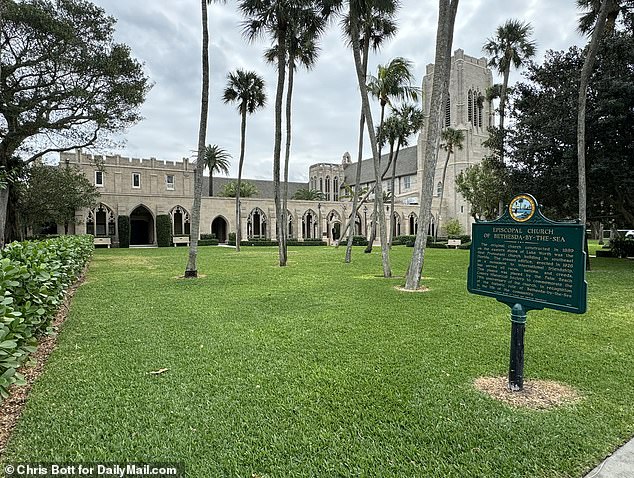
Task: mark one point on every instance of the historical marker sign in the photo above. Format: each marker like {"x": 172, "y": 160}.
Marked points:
{"x": 525, "y": 258}
{"x": 528, "y": 262}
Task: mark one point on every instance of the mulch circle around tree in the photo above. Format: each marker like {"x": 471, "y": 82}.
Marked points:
{"x": 11, "y": 408}
{"x": 536, "y": 395}
{"x": 422, "y": 288}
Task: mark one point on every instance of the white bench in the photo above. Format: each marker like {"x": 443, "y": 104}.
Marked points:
{"x": 454, "y": 243}
{"x": 180, "y": 240}
{"x": 102, "y": 241}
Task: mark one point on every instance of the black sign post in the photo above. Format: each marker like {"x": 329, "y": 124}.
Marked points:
{"x": 528, "y": 262}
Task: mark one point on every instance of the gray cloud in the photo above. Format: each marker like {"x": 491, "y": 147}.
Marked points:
{"x": 165, "y": 36}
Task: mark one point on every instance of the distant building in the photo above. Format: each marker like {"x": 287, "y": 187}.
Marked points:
{"x": 145, "y": 188}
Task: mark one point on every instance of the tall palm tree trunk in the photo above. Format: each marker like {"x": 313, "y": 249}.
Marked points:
{"x": 586, "y": 71}
{"x": 277, "y": 148}
{"x": 211, "y": 182}
{"x": 357, "y": 180}
{"x": 393, "y": 198}
{"x": 243, "y": 135}
{"x": 191, "y": 270}
{"x": 442, "y": 192}
{"x": 367, "y": 112}
{"x": 357, "y": 186}
{"x": 287, "y": 152}
{"x": 444, "y": 39}
{"x": 368, "y": 248}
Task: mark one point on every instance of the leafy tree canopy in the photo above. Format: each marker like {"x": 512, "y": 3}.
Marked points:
{"x": 64, "y": 82}
{"x": 52, "y": 194}
{"x": 542, "y": 147}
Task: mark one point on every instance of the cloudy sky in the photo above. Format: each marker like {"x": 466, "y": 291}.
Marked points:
{"x": 165, "y": 36}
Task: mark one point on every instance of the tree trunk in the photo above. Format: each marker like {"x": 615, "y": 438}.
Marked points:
{"x": 211, "y": 182}
{"x": 357, "y": 187}
{"x": 4, "y": 203}
{"x": 191, "y": 270}
{"x": 287, "y": 152}
{"x": 374, "y": 216}
{"x": 444, "y": 38}
{"x": 442, "y": 192}
{"x": 277, "y": 149}
{"x": 393, "y": 198}
{"x": 357, "y": 181}
{"x": 586, "y": 71}
{"x": 243, "y": 135}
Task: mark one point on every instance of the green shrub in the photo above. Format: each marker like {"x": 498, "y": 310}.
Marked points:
{"x": 465, "y": 245}
{"x": 622, "y": 247}
{"x": 34, "y": 276}
{"x": 453, "y": 227}
{"x": 305, "y": 242}
{"x": 163, "y": 230}
{"x": 403, "y": 240}
{"x": 208, "y": 242}
{"x": 231, "y": 239}
{"x": 604, "y": 253}
{"x": 207, "y": 236}
{"x": 258, "y": 242}
{"x": 359, "y": 241}
{"x": 123, "y": 223}
{"x": 437, "y": 245}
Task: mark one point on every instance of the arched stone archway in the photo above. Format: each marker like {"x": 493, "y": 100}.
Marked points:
{"x": 257, "y": 224}
{"x": 413, "y": 224}
{"x": 219, "y": 228}
{"x": 141, "y": 226}
{"x": 309, "y": 225}
{"x": 180, "y": 221}
{"x": 100, "y": 221}
{"x": 396, "y": 224}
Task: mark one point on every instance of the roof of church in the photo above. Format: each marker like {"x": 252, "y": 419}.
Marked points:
{"x": 264, "y": 187}
{"x": 406, "y": 164}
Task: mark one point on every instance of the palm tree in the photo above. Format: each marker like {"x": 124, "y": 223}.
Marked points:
{"x": 216, "y": 160}
{"x": 452, "y": 139}
{"x": 440, "y": 85}
{"x": 191, "y": 268}
{"x": 376, "y": 25}
{"x": 276, "y": 18}
{"x": 306, "y": 194}
{"x": 510, "y": 46}
{"x": 246, "y": 89}
{"x": 600, "y": 17}
{"x": 393, "y": 82}
{"x": 410, "y": 119}
{"x": 302, "y": 50}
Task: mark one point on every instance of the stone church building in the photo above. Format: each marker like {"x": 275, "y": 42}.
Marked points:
{"x": 145, "y": 188}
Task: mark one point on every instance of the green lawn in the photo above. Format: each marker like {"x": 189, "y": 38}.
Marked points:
{"x": 323, "y": 369}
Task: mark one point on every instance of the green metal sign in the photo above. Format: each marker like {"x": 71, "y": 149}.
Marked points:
{"x": 525, "y": 258}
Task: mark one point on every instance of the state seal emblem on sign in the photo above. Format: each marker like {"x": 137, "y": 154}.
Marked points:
{"x": 522, "y": 208}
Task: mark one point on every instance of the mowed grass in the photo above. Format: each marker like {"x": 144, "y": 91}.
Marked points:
{"x": 323, "y": 369}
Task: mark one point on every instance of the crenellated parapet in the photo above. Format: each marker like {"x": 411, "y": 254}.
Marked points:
{"x": 80, "y": 158}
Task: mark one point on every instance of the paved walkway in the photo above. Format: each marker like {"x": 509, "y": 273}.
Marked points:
{"x": 618, "y": 465}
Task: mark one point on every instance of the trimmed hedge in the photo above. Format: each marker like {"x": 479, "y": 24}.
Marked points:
{"x": 358, "y": 241}
{"x": 604, "y": 253}
{"x": 163, "y": 230}
{"x": 34, "y": 276}
{"x": 305, "y": 242}
{"x": 207, "y": 236}
{"x": 123, "y": 224}
{"x": 208, "y": 242}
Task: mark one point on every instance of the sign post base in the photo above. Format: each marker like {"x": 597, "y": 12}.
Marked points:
{"x": 516, "y": 364}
